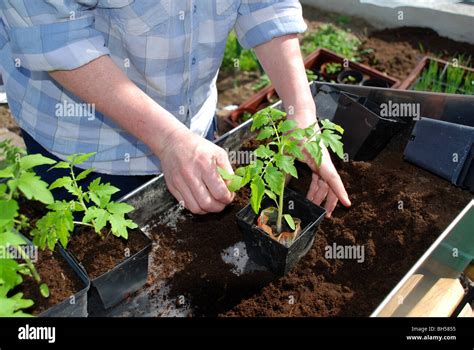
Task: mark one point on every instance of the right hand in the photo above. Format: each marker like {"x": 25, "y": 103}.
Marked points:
{"x": 189, "y": 164}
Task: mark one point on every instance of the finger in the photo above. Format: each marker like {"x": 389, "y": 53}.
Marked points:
{"x": 217, "y": 187}
{"x": 189, "y": 200}
{"x": 202, "y": 195}
{"x": 313, "y": 187}
{"x": 321, "y": 193}
{"x": 335, "y": 183}
{"x": 331, "y": 202}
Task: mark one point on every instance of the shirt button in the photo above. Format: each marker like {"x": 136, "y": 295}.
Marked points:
{"x": 193, "y": 61}
{"x": 194, "y": 9}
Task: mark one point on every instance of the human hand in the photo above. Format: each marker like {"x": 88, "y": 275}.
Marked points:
{"x": 189, "y": 164}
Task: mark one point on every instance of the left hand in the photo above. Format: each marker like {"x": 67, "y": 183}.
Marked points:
{"x": 326, "y": 184}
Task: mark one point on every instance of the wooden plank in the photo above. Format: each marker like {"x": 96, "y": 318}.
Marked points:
{"x": 441, "y": 300}
{"x": 466, "y": 311}
{"x": 469, "y": 271}
{"x": 402, "y": 294}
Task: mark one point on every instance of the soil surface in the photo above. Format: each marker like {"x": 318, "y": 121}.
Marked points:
{"x": 398, "y": 211}
{"x": 61, "y": 279}
{"x": 99, "y": 256}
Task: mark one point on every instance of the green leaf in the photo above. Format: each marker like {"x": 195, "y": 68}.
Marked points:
{"x": 257, "y": 188}
{"x": 293, "y": 148}
{"x": 44, "y": 290}
{"x": 9, "y": 275}
{"x": 272, "y": 196}
{"x": 265, "y": 133}
{"x": 12, "y": 307}
{"x": 61, "y": 165}
{"x": 33, "y": 187}
{"x": 327, "y": 124}
{"x": 314, "y": 149}
{"x": 297, "y": 134}
{"x": 8, "y": 211}
{"x": 332, "y": 140}
{"x": 7, "y": 172}
{"x": 286, "y": 126}
{"x": 100, "y": 193}
{"x": 119, "y": 225}
{"x": 259, "y": 119}
{"x": 289, "y": 220}
{"x": 82, "y": 175}
{"x": 9, "y": 238}
{"x": 264, "y": 152}
{"x": 274, "y": 113}
{"x": 98, "y": 216}
{"x": 54, "y": 226}
{"x": 119, "y": 208}
{"x": 234, "y": 181}
{"x": 33, "y": 160}
{"x": 64, "y": 181}
{"x": 80, "y": 158}
{"x": 274, "y": 179}
{"x": 285, "y": 163}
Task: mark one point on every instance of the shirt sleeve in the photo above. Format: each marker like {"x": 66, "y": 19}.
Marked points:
{"x": 260, "y": 21}
{"x": 48, "y": 35}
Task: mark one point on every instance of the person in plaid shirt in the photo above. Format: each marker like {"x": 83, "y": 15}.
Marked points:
{"x": 135, "y": 82}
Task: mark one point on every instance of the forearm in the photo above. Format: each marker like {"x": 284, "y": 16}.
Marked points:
{"x": 102, "y": 83}
{"x": 281, "y": 58}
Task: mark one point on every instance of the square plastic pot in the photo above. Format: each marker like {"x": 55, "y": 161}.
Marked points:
{"x": 124, "y": 279}
{"x": 76, "y": 306}
{"x": 271, "y": 254}
{"x": 445, "y": 149}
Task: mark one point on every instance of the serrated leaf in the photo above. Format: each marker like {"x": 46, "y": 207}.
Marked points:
{"x": 100, "y": 193}
{"x": 289, "y": 220}
{"x": 264, "y": 152}
{"x": 80, "y": 158}
{"x": 61, "y": 165}
{"x": 332, "y": 140}
{"x": 327, "y": 124}
{"x": 314, "y": 149}
{"x": 61, "y": 182}
{"x": 297, "y": 134}
{"x": 83, "y": 174}
{"x": 119, "y": 225}
{"x": 293, "y": 148}
{"x": 274, "y": 179}
{"x": 33, "y": 187}
{"x": 33, "y": 160}
{"x": 257, "y": 188}
{"x": 54, "y": 226}
{"x": 259, "y": 119}
{"x": 12, "y": 307}
{"x": 119, "y": 208}
{"x": 265, "y": 133}
{"x": 234, "y": 181}
{"x": 285, "y": 163}
{"x": 286, "y": 126}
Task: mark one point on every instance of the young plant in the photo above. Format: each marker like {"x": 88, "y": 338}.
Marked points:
{"x": 17, "y": 180}
{"x": 333, "y": 68}
{"x": 98, "y": 210}
{"x": 454, "y": 77}
{"x": 275, "y": 160}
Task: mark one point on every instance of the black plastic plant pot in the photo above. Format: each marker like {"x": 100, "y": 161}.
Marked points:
{"x": 375, "y": 82}
{"x": 266, "y": 251}
{"x": 445, "y": 149}
{"x": 351, "y": 77}
{"x": 76, "y": 305}
{"x": 123, "y": 280}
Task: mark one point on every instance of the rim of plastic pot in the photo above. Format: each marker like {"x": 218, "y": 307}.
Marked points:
{"x": 350, "y": 72}
{"x": 375, "y": 82}
{"x": 288, "y": 192}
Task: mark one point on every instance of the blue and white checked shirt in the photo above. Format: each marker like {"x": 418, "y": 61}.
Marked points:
{"x": 171, "y": 49}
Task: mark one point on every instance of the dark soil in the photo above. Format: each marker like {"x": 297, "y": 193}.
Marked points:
{"x": 398, "y": 51}
{"x": 62, "y": 282}
{"x": 393, "y": 239}
{"x": 99, "y": 256}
